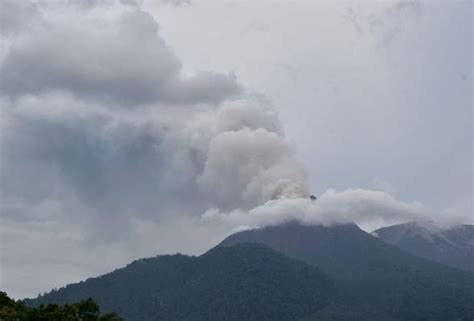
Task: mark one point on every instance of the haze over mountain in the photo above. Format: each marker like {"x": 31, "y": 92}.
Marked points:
{"x": 453, "y": 245}
{"x": 284, "y": 272}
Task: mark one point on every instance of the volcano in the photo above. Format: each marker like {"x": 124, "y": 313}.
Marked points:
{"x": 452, "y": 246}
{"x": 288, "y": 272}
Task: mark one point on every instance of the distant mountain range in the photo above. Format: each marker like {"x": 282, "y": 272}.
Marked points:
{"x": 453, "y": 246}
{"x": 288, "y": 272}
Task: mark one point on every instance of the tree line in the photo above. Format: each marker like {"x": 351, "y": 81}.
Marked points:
{"x": 85, "y": 310}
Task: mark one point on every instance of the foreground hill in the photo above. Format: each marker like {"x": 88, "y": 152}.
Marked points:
{"x": 453, "y": 246}
{"x": 373, "y": 279}
{"x": 245, "y": 282}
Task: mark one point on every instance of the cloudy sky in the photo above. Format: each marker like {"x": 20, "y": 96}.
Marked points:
{"x": 134, "y": 128}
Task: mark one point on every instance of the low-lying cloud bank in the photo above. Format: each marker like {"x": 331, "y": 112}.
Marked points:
{"x": 367, "y": 208}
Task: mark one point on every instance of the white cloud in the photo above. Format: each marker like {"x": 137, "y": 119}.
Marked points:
{"x": 368, "y": 208}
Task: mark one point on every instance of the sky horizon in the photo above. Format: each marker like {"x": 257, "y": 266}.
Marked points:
{"x": 133, "y": 128}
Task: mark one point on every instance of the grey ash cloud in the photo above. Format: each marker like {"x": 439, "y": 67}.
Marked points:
{"x": 121, "y": 61}
{"x": 101, "y": 123}
{"x": 103, "y": 129}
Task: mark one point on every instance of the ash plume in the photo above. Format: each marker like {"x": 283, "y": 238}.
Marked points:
{"x": 121, "y": 130}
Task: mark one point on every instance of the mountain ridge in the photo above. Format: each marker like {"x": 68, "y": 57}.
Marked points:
{"x": 452, "y": 246}
{"x": 226, "y": 283}
{"x": 284, "y": 272}
{"x": 367, "y": 271}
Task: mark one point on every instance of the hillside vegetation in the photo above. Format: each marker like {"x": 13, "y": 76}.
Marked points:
{"x": 85, "y": 310}
{"x": 246, "y": 282}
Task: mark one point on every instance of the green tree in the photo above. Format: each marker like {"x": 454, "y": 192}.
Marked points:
{"x": 88, "y": 310}
{"x": 8, "y": 313}
{"x": 85, "y": 310}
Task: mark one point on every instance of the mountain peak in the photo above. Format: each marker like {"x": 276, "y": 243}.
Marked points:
{"x": 450, "y": 245}
{"x": 358, "y": 252}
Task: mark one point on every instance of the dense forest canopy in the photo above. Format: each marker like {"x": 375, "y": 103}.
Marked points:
{"x": 85, "y": 310}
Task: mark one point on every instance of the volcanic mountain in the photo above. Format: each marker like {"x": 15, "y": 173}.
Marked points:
{"x": 246, "y": 282}
{"x": 372, "y": 277}
{"x": 285, "y": 272}
{"x": 452, "y": 246}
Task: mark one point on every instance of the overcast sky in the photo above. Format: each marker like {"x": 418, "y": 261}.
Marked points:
{"x": 134, "y": 128}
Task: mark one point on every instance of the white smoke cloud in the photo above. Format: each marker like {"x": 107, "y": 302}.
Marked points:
{"x": 251, "y": 167}
{"x": 367, "y": 208}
